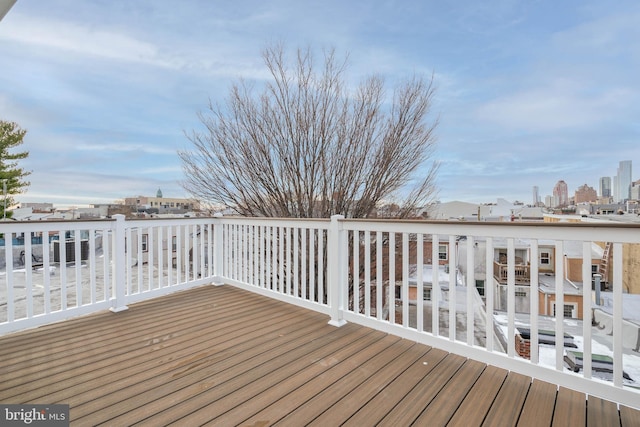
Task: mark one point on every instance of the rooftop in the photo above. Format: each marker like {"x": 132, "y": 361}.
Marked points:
{"x": 224, "y": 356}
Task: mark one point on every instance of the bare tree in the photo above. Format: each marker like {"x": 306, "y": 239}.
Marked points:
{"x": 308, "y": 146}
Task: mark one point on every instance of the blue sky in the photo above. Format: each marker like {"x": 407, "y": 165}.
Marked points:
{"x": 528, "y": 92}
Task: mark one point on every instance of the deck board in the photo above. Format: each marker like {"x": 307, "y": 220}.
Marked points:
{"x": 539, "y": 406}
{"x": 629, "y": 417}
{"x": 570, "y": 408}
{"x": 507, "y": 405}
{"x": 476, "y": 404}
{"x": 378, "y": 407}
{"x": 407, "y": 410}
{"x": 342, "y": 410}
{"x": 223, "y": 356}
{"x": 442, "y": 408}
{"x": 329, "y": 388}
{"x": 325, "y": 350}
{"x": 602, "y": 413}
{"x": 92, "y": 364}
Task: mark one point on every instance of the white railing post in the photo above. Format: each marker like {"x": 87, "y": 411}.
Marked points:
{"x": 217, "y": 250}
{"x": 337, "y": 253}
{"x": 119, "y": 265}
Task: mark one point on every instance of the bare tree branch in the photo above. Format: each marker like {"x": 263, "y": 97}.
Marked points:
{"x": 307, "y": 146}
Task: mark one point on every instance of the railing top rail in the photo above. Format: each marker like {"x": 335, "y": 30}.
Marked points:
{"x": 607, "y": 224}
{"x": 310, "y": 222}
{"x": 54, "y": 221}
{"x": 37, "y": 226}
{"x": 160, "y": 222}
{"x": 605, "y": 232}
{"x": 623, "y": 233}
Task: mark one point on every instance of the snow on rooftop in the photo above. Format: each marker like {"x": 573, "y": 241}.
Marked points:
{"x": 601, "y": 343}
{"x": 427, "y": 275}
{"x": 630, "y": 306}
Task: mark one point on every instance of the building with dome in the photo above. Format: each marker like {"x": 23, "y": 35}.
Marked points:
{"x": 160, "y": 204}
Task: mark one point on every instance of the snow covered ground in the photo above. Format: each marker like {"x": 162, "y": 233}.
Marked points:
{"x": 600, "y": 344}
{"x": 78, "y": 285}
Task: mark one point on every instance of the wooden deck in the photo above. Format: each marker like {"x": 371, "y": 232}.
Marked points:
{"x": 223, "y": 356}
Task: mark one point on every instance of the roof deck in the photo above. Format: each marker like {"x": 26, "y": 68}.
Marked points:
{"x": 219, "y": 355}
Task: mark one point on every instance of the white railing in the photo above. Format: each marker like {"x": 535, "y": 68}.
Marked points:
{"x": 369, "y": 268}
{"x": 388, "y": 275}
{"x": 285, "y": 259}
{"x": 56, "y": 270}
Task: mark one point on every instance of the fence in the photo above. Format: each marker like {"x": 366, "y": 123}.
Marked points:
{"x": 388, "y": 275}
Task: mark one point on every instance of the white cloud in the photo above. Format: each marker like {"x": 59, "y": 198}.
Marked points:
{"x": 126, "y": 147}
{"x": 555, "y": 107}
{"x": 86, "y": 40}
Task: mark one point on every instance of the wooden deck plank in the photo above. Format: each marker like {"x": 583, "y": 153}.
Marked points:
{"x": 570, "y": 408}
{"x": 224, "y": 356}
{"x": 321, "y": 392}
{"x": 106, "y": 321}
{"x": 378, "y": 407}
{"x": 138, "y": 350}
{"x": 103, "y": 325}
{"x": 507, "y": 405}
{"x": 443, "y": 407}
{"x": 539, "y": 405}
{"x": 476, "y": 404}
{"x": 151, "y": 364}
{"x": 81, "y": 359}
{"x": 254, "y": 379}
{"x": 629, "y": 417}
{"x": 159, "y": 393}
{"x": 104, "y": 341}
{"x": 342, "y": 410}
{"x": 602, "y": 413}
{"x": 407, "y": 410}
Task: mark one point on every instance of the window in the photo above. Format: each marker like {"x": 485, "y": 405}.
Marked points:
{"x": 174, "y": 243}
{"x": 443, "y": 252}
{"x": 521, "y": 293}
{"x": 545, "y": 258}
{"x": 569, "y": 310}
{"x": 480, "y": 287}
{"x": 145, "y": 243}
{"x": 426, "y": 294}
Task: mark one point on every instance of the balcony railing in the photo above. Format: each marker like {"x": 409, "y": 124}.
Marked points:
{"x": 352, "y": 270}
{"x": 522, "y": 272}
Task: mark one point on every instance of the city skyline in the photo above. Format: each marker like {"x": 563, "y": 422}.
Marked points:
{"x": 617, "y": 189}
{"x": 527, "y": 93}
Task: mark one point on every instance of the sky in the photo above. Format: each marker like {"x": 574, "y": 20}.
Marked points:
{"x": 527, "y": 92}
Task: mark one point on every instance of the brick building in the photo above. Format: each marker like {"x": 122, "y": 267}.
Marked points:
{"x": 584, "y": 194}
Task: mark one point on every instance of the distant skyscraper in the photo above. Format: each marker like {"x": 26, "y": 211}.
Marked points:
{"x": 561, "y": 194}
{"x": 605, "y": 186}
{"x": 635, "y": 190}
{"x": 536, "y": 196}
{"x": 623, "y": 181}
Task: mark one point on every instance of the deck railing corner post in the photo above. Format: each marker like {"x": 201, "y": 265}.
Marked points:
{"x": 336, "y": 270}
{"x": 119, "y": 276}
{"x": 217, "y": 249}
